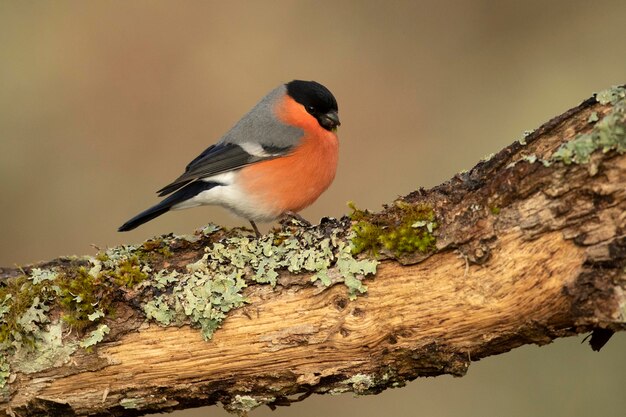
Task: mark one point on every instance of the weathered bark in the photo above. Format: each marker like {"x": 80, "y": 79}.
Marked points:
{"x": 525, "y": 252}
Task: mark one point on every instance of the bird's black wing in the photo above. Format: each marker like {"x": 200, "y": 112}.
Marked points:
{"x": 216, "y": 159}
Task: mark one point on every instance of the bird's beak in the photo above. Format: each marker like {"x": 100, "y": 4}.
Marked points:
{"x": 330, "y": 120}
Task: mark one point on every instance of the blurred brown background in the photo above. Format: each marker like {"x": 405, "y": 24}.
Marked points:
{"x": 102, "y": 103}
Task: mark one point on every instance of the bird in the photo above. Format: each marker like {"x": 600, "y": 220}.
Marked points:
{"x": 275, "y": 161}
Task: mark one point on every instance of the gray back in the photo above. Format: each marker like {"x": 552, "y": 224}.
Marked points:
{"x": 261, "y": 126}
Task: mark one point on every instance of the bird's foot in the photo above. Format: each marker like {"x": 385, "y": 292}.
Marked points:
{"x": 290, "y": 215}
{"x": 256, "y": 229}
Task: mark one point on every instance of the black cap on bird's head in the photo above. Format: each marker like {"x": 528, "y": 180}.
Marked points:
{"x": 317, "y": 100}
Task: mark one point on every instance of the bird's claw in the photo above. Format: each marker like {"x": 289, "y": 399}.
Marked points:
{"x": 290, "y": 216}
{"x": 256, "y": 229}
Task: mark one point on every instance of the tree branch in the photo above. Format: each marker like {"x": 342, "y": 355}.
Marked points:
{"x": 528, "y": 246}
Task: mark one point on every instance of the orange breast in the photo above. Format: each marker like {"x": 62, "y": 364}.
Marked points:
{"x": 294, "y": 181}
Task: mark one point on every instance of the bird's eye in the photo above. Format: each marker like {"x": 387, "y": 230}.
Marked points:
{"x": 310, "y": 109}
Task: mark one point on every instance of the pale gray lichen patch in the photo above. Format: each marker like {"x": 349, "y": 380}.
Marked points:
{"x": 242, "y": 404}
{"x": 338, "y": 390}
{"x": 32, "y": 319}
{"x": 26, "y": 339}
{"x": 95, "y": 336}
{"x": 531, "y": 159}
{"x": 365, "y": 384}
{"x": 487, "y": 158}
{"x": 205, "y": 231}
{"x": 95, "y": 315}
{"x": 351, "y": 269}
{"x": 209, "y": 229}
{"x": 4, "y": 305}
{"x": 212, "y": 286}
{"x": 38, "y": 275}
{"x": 203, "y": 295}
{"x": 49, "y": 350}
{"x": 112, "y": 256}
{"x": 525, "y": 134}
{"x": 360, "y": 383}
{"x": 611, "y": 95}
{"x": 159, "y": 310}
{"x": 132, "y": 403}
{"x": 607, "y": 134}
{"x": 5, "y": 372}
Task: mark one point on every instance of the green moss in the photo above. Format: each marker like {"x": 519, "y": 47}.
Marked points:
{"x": 87, "y": 295}
{"x": 495, "y": 210}
{"x": 79, "y": 298}
{"x": 127, "y": 274}
{"x": 357, "y": 214}
{"x": 152, "y": 246}
{"x": 366, "y": 237}
{"x": 409, "y": 228}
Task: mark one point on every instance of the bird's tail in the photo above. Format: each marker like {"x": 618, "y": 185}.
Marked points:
{"x": 166, "y": 205}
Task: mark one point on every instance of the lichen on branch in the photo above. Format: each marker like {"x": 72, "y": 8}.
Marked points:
{"x": 42, "y": 307}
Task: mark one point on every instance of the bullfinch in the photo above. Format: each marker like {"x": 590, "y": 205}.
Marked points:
{"x": 275, "y": 161}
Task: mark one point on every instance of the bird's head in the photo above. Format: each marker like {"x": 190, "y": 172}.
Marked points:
{"x": 317, "y": 100}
